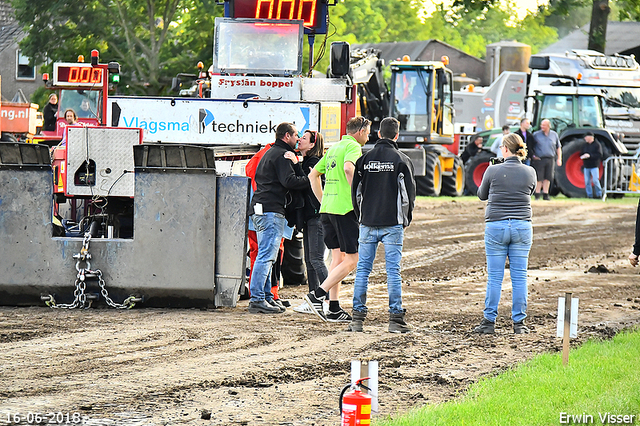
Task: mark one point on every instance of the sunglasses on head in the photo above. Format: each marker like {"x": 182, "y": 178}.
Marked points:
{"x": 365, "y": 123}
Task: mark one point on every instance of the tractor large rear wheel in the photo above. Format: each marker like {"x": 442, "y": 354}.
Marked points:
{"x": 454, "y": 185}
{"x": 569, "y": 177}
{"x": 430, "y": 184}
{"x": 474, "y": 170}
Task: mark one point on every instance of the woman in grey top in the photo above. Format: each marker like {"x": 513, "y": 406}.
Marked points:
{"x": 508, "y": 232}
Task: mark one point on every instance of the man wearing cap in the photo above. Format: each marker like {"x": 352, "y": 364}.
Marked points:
{"x": 591, "y": 156}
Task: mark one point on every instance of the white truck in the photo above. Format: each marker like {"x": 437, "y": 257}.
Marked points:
{"x": 479, "y": 109}
{"x": 617, "y": 77}
{"x": 555, "y": 89}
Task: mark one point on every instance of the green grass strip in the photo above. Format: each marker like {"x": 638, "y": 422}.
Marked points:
{"x": 601, "y": 377}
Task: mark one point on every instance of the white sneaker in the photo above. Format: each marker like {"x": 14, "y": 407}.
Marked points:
{"x": 304, "y": 308}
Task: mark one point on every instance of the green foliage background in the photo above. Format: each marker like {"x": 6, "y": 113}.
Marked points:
{"x": 154, "y": 40}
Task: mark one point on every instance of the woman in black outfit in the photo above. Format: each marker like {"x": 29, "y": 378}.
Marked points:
{"x": 49, "y": 113}
{"x": 311, "y": 146}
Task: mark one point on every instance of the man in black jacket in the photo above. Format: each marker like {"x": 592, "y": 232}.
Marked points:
{"x": 474, "y": 146}
{"x": 277, "y": 173}
{"x": 591, "y": 156}
{"x": 527, "y": 138}
{"x": 383, "y": 194}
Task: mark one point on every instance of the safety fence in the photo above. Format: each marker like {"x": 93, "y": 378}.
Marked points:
{"x": 621, "y": 175}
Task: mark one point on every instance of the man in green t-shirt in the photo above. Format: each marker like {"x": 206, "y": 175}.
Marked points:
{"x": 339, "y": 222}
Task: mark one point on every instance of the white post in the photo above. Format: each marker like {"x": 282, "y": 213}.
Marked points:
{"x": 355, "y": 371}
{"x": 373, "y": 385}
{"x": 367, "y": 369}
{"x": 567, "y": 326}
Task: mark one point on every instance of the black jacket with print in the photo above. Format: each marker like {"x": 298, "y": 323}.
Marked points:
{"x": 383, "y": 190}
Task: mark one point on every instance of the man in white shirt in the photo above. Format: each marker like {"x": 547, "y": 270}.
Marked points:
{"x": 495, "y": 147}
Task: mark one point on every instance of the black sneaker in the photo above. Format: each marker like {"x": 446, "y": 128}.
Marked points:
{"x": 284, "y": 303}
{"x": 340, "y": 316}
{"x": 520, "y": 328}
{"x": 263, "y": 307}
{"x": 316, "y": 305}
{"x": 278, "y": 305}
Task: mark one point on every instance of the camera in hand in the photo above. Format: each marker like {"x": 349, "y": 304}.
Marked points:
{"x": 496, "y": 160}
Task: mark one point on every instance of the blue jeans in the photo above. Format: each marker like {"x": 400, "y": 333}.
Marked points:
{"x": 510, "y": 238}
{"x": 392, "y": 238}
{"x": 269, "y": 229}
{"x": 592, "y": 174}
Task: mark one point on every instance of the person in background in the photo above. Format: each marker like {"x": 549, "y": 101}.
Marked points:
{"x": 85, "y": 109}
{"x": 547, "y": 148}
{"x": 250, "y": 171}
{"x": 311, "y": 146}
{"x": 474, "y": 146}
{"x": 50, "y": 114}
{"x": 527, "y": 138}
{"x": 495, "y": 147}
{"x": 70, "y": 117}
{"x": 508, "y": 231}
{"x": 339, "y": 221}
{"x": 591, "y": 155}
{"x": 384, "y": 173}
{"x": 635, "y": 253}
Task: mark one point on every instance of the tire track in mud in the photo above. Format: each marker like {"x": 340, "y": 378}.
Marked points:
{"x": 164, "y": 366}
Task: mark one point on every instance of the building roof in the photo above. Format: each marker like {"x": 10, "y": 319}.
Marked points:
{"x": 10, "y": 30}
{"x": 622, "y": 37}
{"x": 396, "y": 50}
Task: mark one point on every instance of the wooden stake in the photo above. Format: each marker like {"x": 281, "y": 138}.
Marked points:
{"x": 567, "y": 328}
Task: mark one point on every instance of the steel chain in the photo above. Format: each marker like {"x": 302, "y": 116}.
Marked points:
{"x": 80, "y": 297}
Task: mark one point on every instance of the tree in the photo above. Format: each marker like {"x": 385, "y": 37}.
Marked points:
{"x": 598, "y": 27}
{"x": 566, "y": 23}
{"x": 152, "y": 39}
{"x": 629, "y": 10}
{"x": 369, "y": 21}
{"x": 569, "y": 10}
{"x": 471, "y": 29}
{"x": 405, "y": 25}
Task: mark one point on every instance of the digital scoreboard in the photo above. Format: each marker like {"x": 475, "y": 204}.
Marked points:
{"x": 76, "y": 75}
{"x": 313, "y": 13}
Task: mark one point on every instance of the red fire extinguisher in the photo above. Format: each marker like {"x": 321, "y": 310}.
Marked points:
{"x": 355, "y": 406}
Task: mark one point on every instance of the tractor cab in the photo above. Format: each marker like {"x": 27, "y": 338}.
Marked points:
{"x": 422, "y": 100}
{"x": 568, "y": 111}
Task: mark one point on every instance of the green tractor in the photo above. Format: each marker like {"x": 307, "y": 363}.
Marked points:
{"x": 573, "y": 111}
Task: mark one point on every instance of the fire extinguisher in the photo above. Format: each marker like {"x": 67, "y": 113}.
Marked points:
{"x": 355, "y": 407}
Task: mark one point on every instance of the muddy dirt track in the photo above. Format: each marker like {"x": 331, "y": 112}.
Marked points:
{"x": 165, "y": 367}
